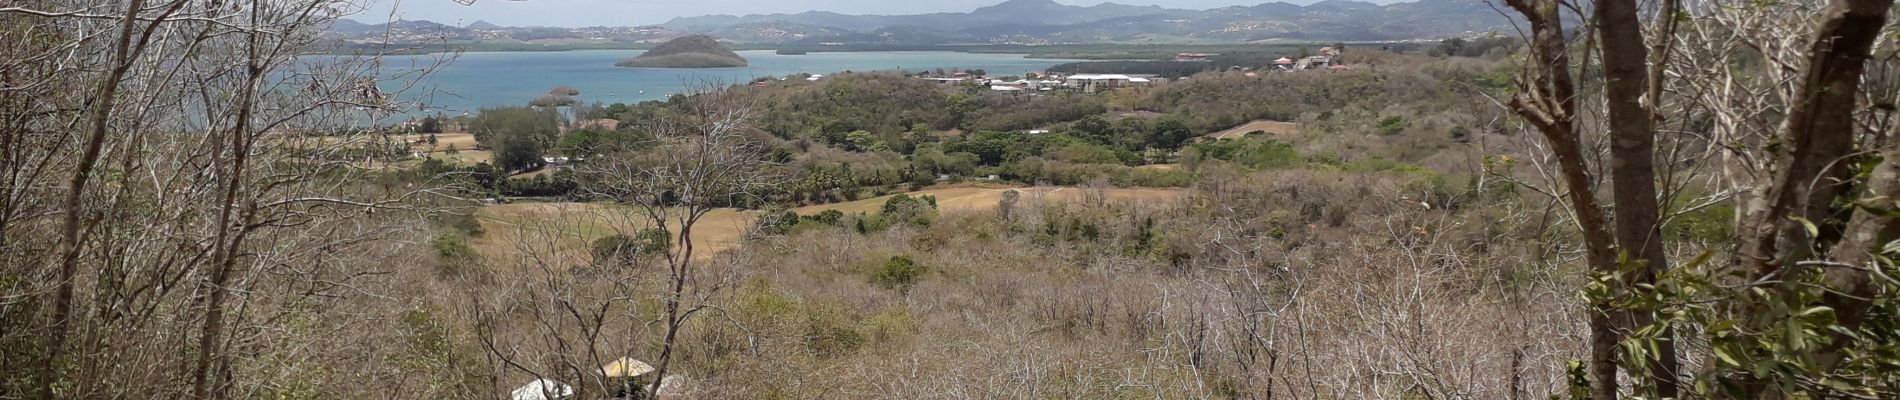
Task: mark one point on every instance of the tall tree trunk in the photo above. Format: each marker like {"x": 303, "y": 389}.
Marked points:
{"x": 1632, "y": 166}
{"x": 1818, "y": 134}
{"x": 1852, "y": 291}
{"x": 70, "y": 240}
{"x": 210, "y": 337}
{"x": 681, "y": 265}
{"x": 1549, "y": 102}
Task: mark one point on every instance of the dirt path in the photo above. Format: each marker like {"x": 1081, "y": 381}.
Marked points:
{"x": 1271, "y": 127}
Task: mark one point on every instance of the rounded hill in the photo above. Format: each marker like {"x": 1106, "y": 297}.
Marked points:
{"x": 692, "y": 51}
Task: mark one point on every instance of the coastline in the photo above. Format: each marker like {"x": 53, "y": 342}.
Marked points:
{"x": 1072, "y": 51}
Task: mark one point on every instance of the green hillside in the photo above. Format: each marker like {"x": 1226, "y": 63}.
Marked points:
{"x": 692, "y": 51}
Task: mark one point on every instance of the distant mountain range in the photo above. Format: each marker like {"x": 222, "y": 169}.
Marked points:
{"x": 1020, "y": 22}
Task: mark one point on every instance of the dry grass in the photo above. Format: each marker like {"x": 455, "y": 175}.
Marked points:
{"x": 575, "y": 225}
{"x": 466, "y": 149}
{"x": 1334, "y": 311}
{"x": 463, "y": 143}
{"x": 461, "y": 140}
{"x": 1272, "y": 127}
{"x": 966, "y": 199}
{"x": 1160, "y": 167}
{"x": 468, "y": 157}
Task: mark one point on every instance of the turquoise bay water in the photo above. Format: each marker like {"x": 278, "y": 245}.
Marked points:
{"x": 514, "y": 78}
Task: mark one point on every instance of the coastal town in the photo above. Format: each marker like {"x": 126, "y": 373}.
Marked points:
{"x": 1328, "y": 59}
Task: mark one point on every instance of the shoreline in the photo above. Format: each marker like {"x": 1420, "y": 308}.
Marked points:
{"x": 1071, "y": 51}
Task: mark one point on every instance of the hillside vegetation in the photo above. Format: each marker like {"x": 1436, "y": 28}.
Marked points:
{"x": 195, "y": 210}
{"x": 691, "y": 51}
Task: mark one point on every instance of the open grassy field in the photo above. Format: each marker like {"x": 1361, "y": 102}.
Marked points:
{"x": 463, "y": 143}
{"x": 566, "y": 229}
{"x": 466, "y": 152}
{"x": 460, "y": 140}
{"x": 1272, "y": 127}
{"x": 965, "y": 199}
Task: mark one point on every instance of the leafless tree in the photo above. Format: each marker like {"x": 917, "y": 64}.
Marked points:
{"x": 186, "y": 155}
{"x": 1790, "y": 183}
{"x": 704, "y": 156}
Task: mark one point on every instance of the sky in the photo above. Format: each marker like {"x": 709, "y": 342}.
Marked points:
{"x": 571, "y": 13}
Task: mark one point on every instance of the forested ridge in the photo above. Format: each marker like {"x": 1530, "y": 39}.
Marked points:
{"x": 691, "y": 51}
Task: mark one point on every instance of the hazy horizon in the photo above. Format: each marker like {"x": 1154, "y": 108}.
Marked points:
{"x": 578, "y": 13}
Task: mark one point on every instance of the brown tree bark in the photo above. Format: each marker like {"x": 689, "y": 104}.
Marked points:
{"x": 681, "y": 264}
{"x": 1817, "y": 134}
{"x": 1632, "y": 166}
{"x": 210, "y": 337}
{"x": 1549, "y": 102}
{"x": 1852, "y": 290}
{"x": 70, "y": 241}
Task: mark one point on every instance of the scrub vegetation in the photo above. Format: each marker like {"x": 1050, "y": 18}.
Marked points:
{"x": 191, "y": 210}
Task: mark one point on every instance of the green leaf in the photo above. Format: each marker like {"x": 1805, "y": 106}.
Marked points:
{"x": 1813, "y": 231}
{"x": 1797, "y": 341}
{"x": 1722, "y": 325}
{"x": 1721, "y": 352}
{"x": 1706, "y": 254}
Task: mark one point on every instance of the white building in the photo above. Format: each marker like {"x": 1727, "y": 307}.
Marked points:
{"x": 1091, "y": 83}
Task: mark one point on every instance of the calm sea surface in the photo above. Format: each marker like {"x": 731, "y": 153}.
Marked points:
{"x": 513, "y": 78}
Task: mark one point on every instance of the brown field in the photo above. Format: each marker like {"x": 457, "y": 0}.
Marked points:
{"x": 1160, "y": 167}
{"x": 466, "y": 157}
{"x": 461, "y": 140}
{"x": 1272, "y": 127}
{"x": 566, "y": 229}
{"x": 511, "y": 229}
{"x": 464, "y": 143}
{"x": 963, "y": 199}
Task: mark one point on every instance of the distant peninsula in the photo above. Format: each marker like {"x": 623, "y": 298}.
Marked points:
{"x": 691, "y": 51}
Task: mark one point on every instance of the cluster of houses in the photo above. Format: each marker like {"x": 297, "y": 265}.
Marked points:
{"x": 1088, "y": 83}
{"x": 1328, "y": 58}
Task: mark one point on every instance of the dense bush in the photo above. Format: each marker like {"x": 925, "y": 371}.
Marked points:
{"x": 917, "y": 210}
{"x": 518, "y": 135}
{"x": 623, "y": 249}
{"x": 899, "y": 273}
{"x": 1252, "y": 151}
{"x": 453, "y": 255}
{"x": 537, "y": 123}
{"x": 1167, "y": 69}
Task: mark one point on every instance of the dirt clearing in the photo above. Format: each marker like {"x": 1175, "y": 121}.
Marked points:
{"x": 1276, "y": 128}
